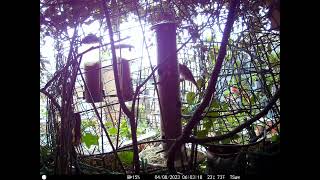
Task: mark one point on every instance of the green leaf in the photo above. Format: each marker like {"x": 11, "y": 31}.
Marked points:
{"x": 226, "y": 141}
{"x": 228, "y": 56}
{"x": 215, "y": 104}
{"x": 235, "y": 137}
{"x": 112, "y": 131}
{"x": 209, "y": 38}
{"x": 200, "y": 82}
{"x": 212, "y": 56}
{"x": 190, "y": 97}
{"x": 225, "y": 106}
{"x": 207, "y": 124}
{"x": 126, "y": 157}
{"x": 87, "y": 123}
{"x": 232, "y": 120}
{"x": 213, "y": 114}
{"x": 44, "y": 151}
{"x": 269, "y": 48}
{"x": 90, "y": 139}
{"x": 124, "y": 129}
{"x": 244, "y": 101}
{"x": 201, "y": 94}
{"x": 125, "y": 132}
{"x": 202, "y": 133}
{"x": 123, "y": 123}
{"x": 184, "y": 122}
{"x": 108, "y": 124}
{"x": 275, "y": 138}
{"x": 237, "y": 64}
{"x": 90, "y": 123}
{"x": 142, "y": 127}
{"x": 184, "y": 110}
{"x": 269, "y": 86}
{"x": 226, "y": 92}
{"x": 273, "y": 58}
{"x": 139, "y": 131}
{"x": 254, "y": 77}
{"x": 84, "y": 123}
{"x": 252, "y": 100}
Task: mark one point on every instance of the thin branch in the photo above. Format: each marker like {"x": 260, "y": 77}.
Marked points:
{"x": 96, "y": 47}
{"x": 243, "y": 145}
{"x": 123, "y": 148}
{"x": 221, "y": 116}
{"x": 107, "y": 105}
{"x": 53, "y": 100}
{"x": 123, "y": 106}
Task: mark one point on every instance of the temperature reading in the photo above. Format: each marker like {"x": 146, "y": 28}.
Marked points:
{"x": 211, "y": 176}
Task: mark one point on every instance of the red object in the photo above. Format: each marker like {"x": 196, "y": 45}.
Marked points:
{"x": 234, "y": 90}
{"x": 273, "y": 130}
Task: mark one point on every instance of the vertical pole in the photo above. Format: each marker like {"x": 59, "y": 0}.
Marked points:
{"x": 169, "y": 90}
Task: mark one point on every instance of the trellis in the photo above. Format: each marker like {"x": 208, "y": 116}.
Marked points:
{"x": 251, "y": 68}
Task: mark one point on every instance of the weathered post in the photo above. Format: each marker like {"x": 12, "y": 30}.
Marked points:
{"x": 168, "y": 82}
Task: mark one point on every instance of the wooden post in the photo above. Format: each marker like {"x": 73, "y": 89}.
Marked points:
{"x": 169, "y": 90}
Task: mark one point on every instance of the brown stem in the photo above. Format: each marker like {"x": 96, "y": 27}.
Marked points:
{"x": 210, "y": 91}
{"x": 53, "y": 100}
{"x": 128, "y": 113}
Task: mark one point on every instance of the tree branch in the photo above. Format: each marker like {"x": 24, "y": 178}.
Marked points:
{"x": 210, "y": 91}
{"x": 123, "y": 106}
{"x": 53, "y": 100}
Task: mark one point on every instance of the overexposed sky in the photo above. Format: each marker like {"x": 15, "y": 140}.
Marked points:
{"x": 131, "y": 28}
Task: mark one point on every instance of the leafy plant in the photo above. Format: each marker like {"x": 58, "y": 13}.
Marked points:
{"x": 190, "y": 97}
{"x": 124, "y": 129}
{"x": 200, "y": 83}
{"x": 202, "y": 133}
{"x": 142, "y": 127}
{"x": 89, "y": 139}
{"x": 144, "y": 163}
{"x": 275, "y": 138}
{"x": 87, "y": 124}
{"x": 126, "y": 157}
{"x": 112, "y": 131}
